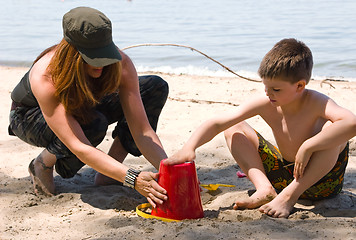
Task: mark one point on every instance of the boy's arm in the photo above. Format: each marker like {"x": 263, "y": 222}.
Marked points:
{"x": 341, "y": 129}
{"x": 209, "y": 129}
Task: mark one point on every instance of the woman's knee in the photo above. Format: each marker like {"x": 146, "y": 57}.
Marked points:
{"x": 153, "y": 85}
{"x": 154, "y": 93}
{"x": 96, "y": 130}
{"x": 154, "y": 80}
{"x": 161, "y": 87}
{"x": 160, "y": 82}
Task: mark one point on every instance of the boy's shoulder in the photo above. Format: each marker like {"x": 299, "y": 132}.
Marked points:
{"x": 314, "y": 96}
{"x": 314, "y": 101}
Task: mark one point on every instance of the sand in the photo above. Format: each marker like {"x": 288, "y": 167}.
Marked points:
{"x": 83, "y": 211}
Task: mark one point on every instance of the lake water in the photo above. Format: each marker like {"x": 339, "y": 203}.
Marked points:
{"x": 237, "y": 33}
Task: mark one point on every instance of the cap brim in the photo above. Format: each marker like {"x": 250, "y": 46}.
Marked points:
{"x": 100, "y": 57}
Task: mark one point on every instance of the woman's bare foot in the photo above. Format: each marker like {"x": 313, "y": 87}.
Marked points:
{"x": 257, "y": 199}
{"x": 42, "y": 178}
{"x": 102, "y": 180}
{"x": 280, "y": 207}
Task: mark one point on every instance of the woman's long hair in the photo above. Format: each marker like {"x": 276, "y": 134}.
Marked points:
{"x": 75, "y": 89}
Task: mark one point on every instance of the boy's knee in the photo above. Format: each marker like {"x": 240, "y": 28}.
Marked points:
{"x": 231, "y": 133}
{"x": 240, "y": 133}
{"x": 228, "y": 133}
{"x": 237, "y": 128}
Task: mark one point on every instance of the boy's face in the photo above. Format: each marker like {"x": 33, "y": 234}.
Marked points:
{"x": 281, "y": 92}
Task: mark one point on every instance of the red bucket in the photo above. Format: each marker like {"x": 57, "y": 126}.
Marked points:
{"x": 181, "y": 183}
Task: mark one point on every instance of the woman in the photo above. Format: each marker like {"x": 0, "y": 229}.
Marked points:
{"x": 72, "y": 92}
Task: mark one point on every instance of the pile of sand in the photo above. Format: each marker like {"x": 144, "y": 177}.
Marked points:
{"x": 82, "y": 211}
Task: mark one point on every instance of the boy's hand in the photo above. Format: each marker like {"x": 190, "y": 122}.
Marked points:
{"x": 181, "y": 156}
{"x": 301, "y": 161}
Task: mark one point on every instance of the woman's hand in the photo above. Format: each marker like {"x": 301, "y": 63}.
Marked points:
{"x": 147, "y": 186}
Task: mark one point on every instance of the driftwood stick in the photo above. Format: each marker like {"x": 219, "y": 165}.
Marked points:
{"x": 193, "y": 49}
{"x": 325, "y": 81}
{"x": 201, "y": 101}
{"x": 205, "y": 55}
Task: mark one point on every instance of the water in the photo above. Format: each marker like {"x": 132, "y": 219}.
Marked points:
{"x": 237, "y": 33}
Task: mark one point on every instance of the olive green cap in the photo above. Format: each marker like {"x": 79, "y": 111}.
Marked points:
{"x": 90, "y": 32}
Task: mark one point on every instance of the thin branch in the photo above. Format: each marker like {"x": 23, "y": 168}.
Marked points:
{"x": 325, "y": 81}
{"x": 201, "y": 101}
{"x": 228, "y": 69}
{"x": 193, "y": 49}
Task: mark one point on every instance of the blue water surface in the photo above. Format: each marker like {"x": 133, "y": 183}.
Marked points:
{"x": 237, "y": 33}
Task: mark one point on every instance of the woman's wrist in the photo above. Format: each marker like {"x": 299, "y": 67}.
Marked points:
{"x": 130, "y": 178}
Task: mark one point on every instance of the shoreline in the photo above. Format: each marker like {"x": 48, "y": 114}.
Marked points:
{"x": 82, "y": 211}
{"x": 203, "y": 72}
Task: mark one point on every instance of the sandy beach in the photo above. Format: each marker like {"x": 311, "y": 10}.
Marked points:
{"x": 83, "y": 211}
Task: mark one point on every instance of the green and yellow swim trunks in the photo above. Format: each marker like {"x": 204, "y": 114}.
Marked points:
{"x": 280, "y": 175}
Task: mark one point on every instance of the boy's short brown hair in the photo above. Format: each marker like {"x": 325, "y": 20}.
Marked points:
{"x": 290, "y": 59}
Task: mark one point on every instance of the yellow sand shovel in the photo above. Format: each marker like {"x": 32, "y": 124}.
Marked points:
{"x": 214, "y": 187}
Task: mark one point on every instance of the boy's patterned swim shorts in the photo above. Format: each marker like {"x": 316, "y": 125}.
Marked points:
{"x": 281, "y": 175}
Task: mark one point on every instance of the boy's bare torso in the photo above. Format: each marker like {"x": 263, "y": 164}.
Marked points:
{"x": 293, "y": 124}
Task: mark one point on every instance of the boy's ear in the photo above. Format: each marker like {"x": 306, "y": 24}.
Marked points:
{"x": 301, "y": 85}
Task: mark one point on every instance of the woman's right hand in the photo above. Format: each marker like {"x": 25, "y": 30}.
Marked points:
{"x": 147, "y": 186}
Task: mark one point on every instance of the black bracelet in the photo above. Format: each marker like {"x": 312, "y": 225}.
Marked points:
{"x": 130, "y": 178}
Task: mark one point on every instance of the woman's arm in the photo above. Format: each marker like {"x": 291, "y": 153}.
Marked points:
{"x": 145, "y": 137}
{"x": 68, "y": 130}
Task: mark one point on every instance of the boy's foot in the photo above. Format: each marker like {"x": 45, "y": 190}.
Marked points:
{"x": 256, "y": 200}
{"x": 102, "y": 180}
{"x": 42, "y": 179}
{"x": 280, "y": 207}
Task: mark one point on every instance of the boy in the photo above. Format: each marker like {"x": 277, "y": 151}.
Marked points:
{"x": 310, "y": 129}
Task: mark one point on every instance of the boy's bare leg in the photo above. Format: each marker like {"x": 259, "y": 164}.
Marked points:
{"x": 243, "y": 144}
{"x": 118, "y": 152}
{"x": 41, "y": 171}
{"x": 319, "y": 165}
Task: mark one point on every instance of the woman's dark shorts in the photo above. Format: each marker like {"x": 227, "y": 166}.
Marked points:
{"x": 30, "y": 126}
{"x": 281, "y": 175}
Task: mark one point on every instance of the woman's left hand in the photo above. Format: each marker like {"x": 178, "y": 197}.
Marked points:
{"x": 147, "y": 186}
